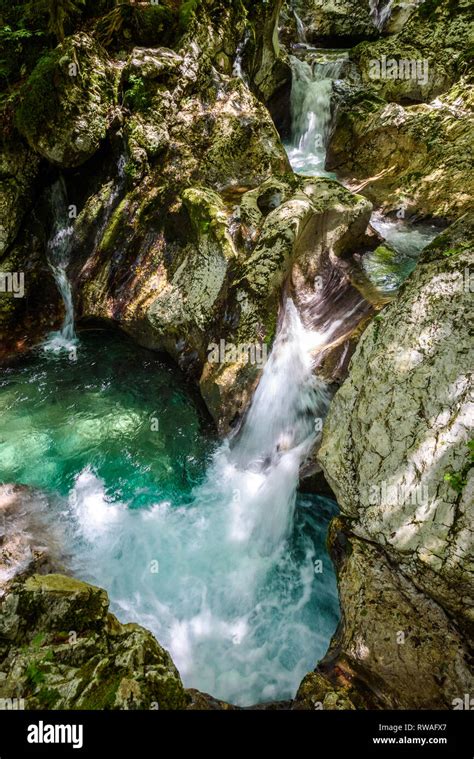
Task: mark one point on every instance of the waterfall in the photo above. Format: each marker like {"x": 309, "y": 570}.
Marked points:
{"x": 237, "y": 69}
{"x": 380, "y": 10}
{"x": 58, "y": 253}
{"x": 300, "y": 29}
{"x": 277, "y": 435}
{"x": 311, "y": 98}
{"x": 236, "y": 564}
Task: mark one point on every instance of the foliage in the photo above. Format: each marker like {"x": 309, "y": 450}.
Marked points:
{"x": 20, "y": 46}
{"x": 59, "y": 13}
{"x": 48, "y": 697}
{"x": 34, "y": 675}
{"x": 38, "y": 102}
{"x": 136, "y": 95}
{"x": 186, "y": 12}
{"x": 458, "y": 480}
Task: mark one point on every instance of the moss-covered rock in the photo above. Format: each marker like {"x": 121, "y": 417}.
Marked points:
{"x": 416, "y": 157}
{"x": 438, "y": 35}
{"x": 397, "y": 451}
{"x": 60, "y": 648}
{"x": 18, "y": 171}
{"x": 323, "y": 21}
{"x": 66, "y": 103}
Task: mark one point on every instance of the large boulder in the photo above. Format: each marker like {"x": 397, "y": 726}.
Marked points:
{"x": 397, "y": 451}
{"x": 323, "y": 21}
{"x": 60, "y": 648}
{"x": 18, "y": 172}
{"x": 389, "y": 146}
{"x": 415, "y": 157}
{"x": 67, "y": 101}
{"x": 434, "y": 42}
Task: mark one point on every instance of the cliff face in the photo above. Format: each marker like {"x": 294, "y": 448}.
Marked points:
{"x": 402, "y": 135}
{"x": 398, "y": 452}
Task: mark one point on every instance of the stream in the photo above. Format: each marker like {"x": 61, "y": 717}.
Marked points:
{"x": 209, "y": 545}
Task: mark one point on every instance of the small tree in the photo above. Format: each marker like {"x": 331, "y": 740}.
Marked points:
{"x": 58, "y": 11}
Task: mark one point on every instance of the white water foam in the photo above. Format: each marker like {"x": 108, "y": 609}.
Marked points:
{"x": 58, "y": 251}
{"x": 231, "y": 597}
{"x": 311, "y": 96}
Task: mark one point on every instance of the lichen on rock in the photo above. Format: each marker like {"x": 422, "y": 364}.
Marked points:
{"x": 61, "y": 648}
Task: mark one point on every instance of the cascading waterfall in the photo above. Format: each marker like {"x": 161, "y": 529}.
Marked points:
{"x": 236, "y": 599}
{"x": 311, "y": 96}
{"x": 278, "y": 434}
{"x": 380, "y": 10}
{"x": 237, "y": 69}
{"x": 58, "y": 250}
{"x": 300, "y": 29}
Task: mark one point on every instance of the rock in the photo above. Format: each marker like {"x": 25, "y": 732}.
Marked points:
{"x": 395, "y": 451}
{"x": 345, "y": 20}
{"x": 436, "y": 37}
{"x": 204, "y": 702}
{"x": 60, "y": 648}
{"x": 66, "y": 103}
{"x": 317, "y": 693}
{"x": 396, "y": 647}
{"x": 415, "y": 157}
{"x": 400, "y": 12}
{"x": 29, "y": 540}
{"x": 388, "y": 146}
{"x": 18, "y": 171}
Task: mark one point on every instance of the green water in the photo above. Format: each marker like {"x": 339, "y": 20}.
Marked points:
{"x": 121, "y": 443}
{"x": 118, "y": 409}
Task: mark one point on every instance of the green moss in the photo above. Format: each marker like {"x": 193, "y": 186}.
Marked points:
{"x": 186, "y": 12}
{"x": 458, "y": 480}
{"x": 136, "y": 95}
{"x": 38, "y": 103}
{"x": 34, "y": 674}
{"x": 48, "y": 697}
{"x": 103, "y": 693}
{"x": 154, "y": 24}
{"x": 462, "y": 248}
{"x": 114, "y": 226}
{"x": 270, "y": 327}
{"x": 38, "y": 640}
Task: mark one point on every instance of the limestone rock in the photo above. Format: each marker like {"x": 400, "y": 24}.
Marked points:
{"x": 66, "y": 104}
{"x": 438, "y": 34}
{"x": 60, "y": 648}
{"x": 349, "y": 20}
{"x": 397, "y": 450}
{"x": 416, "y": 157}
